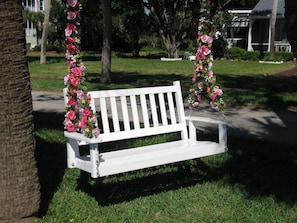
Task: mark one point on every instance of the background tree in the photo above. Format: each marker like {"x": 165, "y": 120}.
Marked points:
{"x": 19, "y": 193}
{"x": 291, "y": 23}
{"x": 106, "y": 46}
{"x": 173, "y": 20}
{"x": 56, "y": 33}
{"x": 128, "y": 22}
{"x": 45, "y": 28}
{"x": 91, "y": 25}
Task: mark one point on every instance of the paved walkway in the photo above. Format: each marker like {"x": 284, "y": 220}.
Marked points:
{"x": 272, "y": 125}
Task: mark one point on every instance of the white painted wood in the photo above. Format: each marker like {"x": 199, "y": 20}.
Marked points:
{"x": 144, "y": 111}
{"x": 125, "y": 113}
{"x": 115, "y": 117}
{"x": 154, "y": 110}
{"x": 104, "y": 116}
{"x": 162, "y": 106}
{"x": 171, "y": 108}
{"x": 134, "y": 112}
{"x": 149, "y": 109}
{"x": 149, "y": 156}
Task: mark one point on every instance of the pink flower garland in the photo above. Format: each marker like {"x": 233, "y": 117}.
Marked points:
{"x": 79, "y": 115}
{"x": 204, "y": 79}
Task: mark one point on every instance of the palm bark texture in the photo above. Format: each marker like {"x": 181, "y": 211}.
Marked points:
{"x": 19, "y": 185}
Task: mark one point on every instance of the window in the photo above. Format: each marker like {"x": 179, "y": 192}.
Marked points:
{"x": 41, "y": 5}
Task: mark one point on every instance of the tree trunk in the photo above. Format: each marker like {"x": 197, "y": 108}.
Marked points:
{"x": 106, "y": 47}
{"x": 171, "y": 45}
{"x": 291, "y": 23}
{"x": 272, "y": 25}
{"x": 19, "y": 193}
{"x": 47, "y": 9}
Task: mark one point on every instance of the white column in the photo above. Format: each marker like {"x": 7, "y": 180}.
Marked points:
{"x": 269, "y": 36}
{"x": 251, "y": 21}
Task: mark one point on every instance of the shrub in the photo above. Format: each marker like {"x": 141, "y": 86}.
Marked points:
{"x": 252, "y": 55}
{"x": 235, "y": 53}
{"x": 49, "y": 47}
{"x": 280, "y": 56}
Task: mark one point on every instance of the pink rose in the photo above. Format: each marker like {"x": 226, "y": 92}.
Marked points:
{"x": 199, "y": 97}
{"x": 82, "y": 67}
{"x": 76, "y": 71}
{"x": 70, "y": 39}
{"x": 71, "y": 115}
{"x": 80, "y": 94}
{"x": 82, "y": 123}
{"x": 205, "y": 50}
{"x": 70, "y": 47}
{"x": 96, "y": 132}
{"x": 86, "y": 112}
{"x": 206, "y": 39}
{"x": 72, "y": 15}
{"x": 70, "y": 126}
{"x": 217, "y": 90}
{"x": 66, "y": 79}
{"x": 74, "y": 81}
{"x": 72, "y": 102}
{"x": 213, "y": 96}
{"x": 72, "y": 3}
{"x": 69, "y": 29}
{"x": 200, "y": 85}
{"x": 195, "y": 104}
{"x": 72, "y": 91}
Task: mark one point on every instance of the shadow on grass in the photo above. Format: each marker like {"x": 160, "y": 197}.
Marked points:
{"x": 50, "y": 155}
{"x": 263, "y": 168}
{"x": 128, "y": 186}
{"x": 260, "y": 168}
{"x": 265, "y": 91}
{"x": 137, "y": 79}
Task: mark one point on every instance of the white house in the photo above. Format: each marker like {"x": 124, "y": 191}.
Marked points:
{"x": 260, "y": 29}
{"x": 250, "y": 29}
{"x": 235, "y": 31}
{"x": 30, "y": 29}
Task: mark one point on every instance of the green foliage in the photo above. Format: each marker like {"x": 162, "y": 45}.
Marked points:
{"x": 235, "y": 53}
{"x": 219, "y": 48}
{"x": 280, "y": 56}
{"x": 252, "y": 55}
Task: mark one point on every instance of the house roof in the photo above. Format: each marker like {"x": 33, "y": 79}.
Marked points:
{"x": 264, "y": 8}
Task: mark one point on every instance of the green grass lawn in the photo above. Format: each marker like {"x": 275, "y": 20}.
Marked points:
{"x": 244, "y": 82}
{"x": 255, "y": 181}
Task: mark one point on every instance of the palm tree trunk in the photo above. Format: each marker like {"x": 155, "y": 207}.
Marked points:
{"x": 47, "y": 8}
{"x": 19, "y": 193}
{"x": 106, "y": 48}
{"x": 272, "y": 25}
